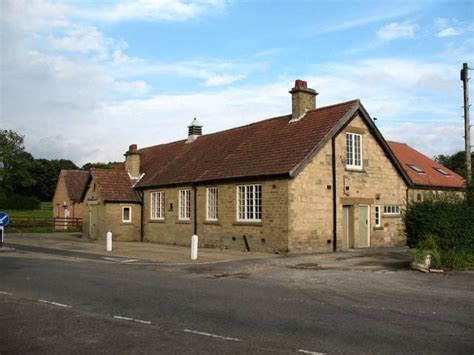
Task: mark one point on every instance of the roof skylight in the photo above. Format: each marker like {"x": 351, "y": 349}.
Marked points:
{"x": 416, "y": 168}
{"x": 442, "y": 171}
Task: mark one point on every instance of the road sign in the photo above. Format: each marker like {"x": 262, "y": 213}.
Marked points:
{"x": 4, "y": 219}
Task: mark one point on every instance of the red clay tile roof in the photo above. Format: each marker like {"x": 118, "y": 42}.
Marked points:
{"x": 114, "y": 185}
{"x": 76, "y": 183}
{"x": 407, "y": 156}
{"x": 271, "y": 147}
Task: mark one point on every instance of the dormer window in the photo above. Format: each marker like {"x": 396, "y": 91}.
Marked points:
{"x": 442, "y": 171}
{"x": 416, "y": 168}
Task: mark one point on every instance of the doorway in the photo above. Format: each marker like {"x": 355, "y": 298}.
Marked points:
{"x": 363, "y": 236}
{"x": 348, "y": 226}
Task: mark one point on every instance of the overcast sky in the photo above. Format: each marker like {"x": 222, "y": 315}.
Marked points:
{"x": 83, "y": 80}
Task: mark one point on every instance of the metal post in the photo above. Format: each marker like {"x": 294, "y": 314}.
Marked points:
{"x": 1, "y": 237}
{"x": 467, "y": 125}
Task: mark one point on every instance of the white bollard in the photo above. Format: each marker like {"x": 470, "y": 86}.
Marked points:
{"x": 109, "y": 241}
{"x": 194, "y": 247}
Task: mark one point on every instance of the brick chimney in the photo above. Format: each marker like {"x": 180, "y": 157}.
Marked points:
{"x": 194, "y": 130}
{"x": 132, "y": 161}
{"x": 302, "y": 99}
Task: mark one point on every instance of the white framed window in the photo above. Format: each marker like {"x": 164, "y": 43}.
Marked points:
{"x": 126, "y": 214}
{"x": 353, "y": 151}
{"x": 391, "y": 210}
{"x": 184, "y": 205}
{"x": 157, "y": 205}
{"x": 249, "y": 203}
{"x": 211, "y": 204}
{"x": 378, "y": 216}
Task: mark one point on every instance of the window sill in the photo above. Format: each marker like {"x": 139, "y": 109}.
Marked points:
{"x": 248, "y": 223}
{"x": 216, "y": 223}
{"x": 378, "y": 228}
{"x": 392, "y": 216}
{"x": 156, "y": 221}
{"x": 353, "y": 170}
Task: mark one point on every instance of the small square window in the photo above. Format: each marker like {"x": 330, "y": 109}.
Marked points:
{"x": 391, "y": 210}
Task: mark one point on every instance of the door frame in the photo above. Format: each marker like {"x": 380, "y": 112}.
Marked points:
{"x": 348, "y": 225}
{"x": 368, "y": 224}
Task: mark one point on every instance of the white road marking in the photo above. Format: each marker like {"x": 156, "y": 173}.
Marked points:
{"x": 119, "y": 260}
{"x": 210, "y": 335}
{"x": 133, "y": 320}
{"x": 55, "y": 304}
{"x": 310, "y": 352}
{"x": 6, "y": 293}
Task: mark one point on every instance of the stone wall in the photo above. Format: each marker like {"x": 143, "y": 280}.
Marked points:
{"x": 416, "y": 195}
{"x": 109, "y": 217}
{"x": 270, "y": 235}
{"x": 61, "y": 199}
{"x": 310, "y": 195}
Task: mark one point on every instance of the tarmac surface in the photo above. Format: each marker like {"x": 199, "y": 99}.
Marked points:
{"x": 72, "y": 245}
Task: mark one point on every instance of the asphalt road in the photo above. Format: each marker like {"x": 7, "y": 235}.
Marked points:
{"x": 59, "y": 304}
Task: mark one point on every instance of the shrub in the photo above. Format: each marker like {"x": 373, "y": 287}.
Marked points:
{"x": 449, "y": 223}
{"x": 457, "y": 260}
{"x": 17, "y": 202}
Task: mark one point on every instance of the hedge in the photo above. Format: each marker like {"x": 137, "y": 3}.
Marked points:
{"x": 450, "y": 223}
{"x": 17, "y": 202}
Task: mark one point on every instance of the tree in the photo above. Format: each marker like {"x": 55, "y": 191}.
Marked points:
{"x": 109, "y": 165}
{"x": 15, "y": 174}
{"x": 20, "y": 174}
{"x": 456, "y": 162}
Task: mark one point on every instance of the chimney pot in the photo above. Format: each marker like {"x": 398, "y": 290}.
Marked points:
{"x": 132, "y": 147}
{"x": 301, "y": 84}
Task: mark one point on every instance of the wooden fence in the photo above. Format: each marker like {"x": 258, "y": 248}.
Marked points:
{"x": 58, "y": 223}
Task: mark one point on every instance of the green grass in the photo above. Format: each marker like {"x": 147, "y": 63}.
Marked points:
{"x": 29, "y": 230}
{"x": 29, "y": 213}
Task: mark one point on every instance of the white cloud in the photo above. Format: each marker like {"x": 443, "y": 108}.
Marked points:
{"x": 437, "y": 138}
{"x": 154, "y": 10}
{"x": 397, "y": 30}
{"x": 34, "y": 14}
{"x": 451, "y": 27}
{"x": 84, "y": 40}
{"x": 449, "y": 32}
{"x": 89, "y": 102}
{"x": 222, "y": 80}
{"x": 366, "y": 18}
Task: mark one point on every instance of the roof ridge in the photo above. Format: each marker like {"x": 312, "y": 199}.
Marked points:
{"x": 253, "y": 123}
{"x": 396, "y": 142}
{"x": 222, "y": 131}
{"x": 334, "y": 105}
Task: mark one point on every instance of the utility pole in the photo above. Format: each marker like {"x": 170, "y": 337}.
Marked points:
{"x": 467, "y": 125}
